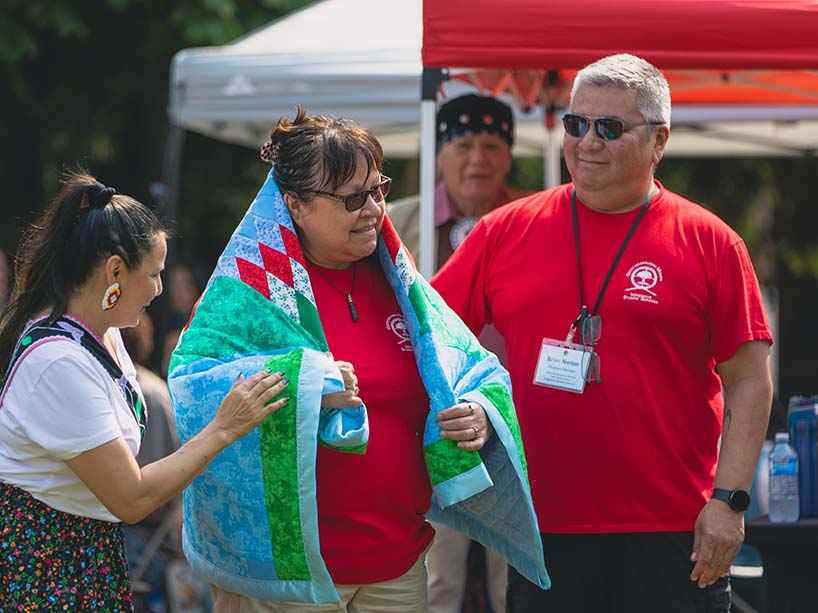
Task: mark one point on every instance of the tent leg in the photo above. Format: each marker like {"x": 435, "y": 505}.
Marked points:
{"x": 166, "y": 194}
{"x": 551, "y": 152}
{"x": 168, "y": 190}
{"x": 428, "y": 247}
{"x": 427, "y": 188}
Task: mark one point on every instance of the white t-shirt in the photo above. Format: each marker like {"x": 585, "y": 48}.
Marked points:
{"x": 60, "y": 403}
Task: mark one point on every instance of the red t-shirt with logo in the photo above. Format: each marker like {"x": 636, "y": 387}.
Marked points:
{"x": 636, "y": 453}
{"x": 371, "y": 506}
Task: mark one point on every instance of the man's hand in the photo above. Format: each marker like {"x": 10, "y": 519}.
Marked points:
{"x": 717, "y": 538}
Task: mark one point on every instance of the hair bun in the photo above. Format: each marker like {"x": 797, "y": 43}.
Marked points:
{"x": 269, "y": 152}
{"x": 99, "y": 195}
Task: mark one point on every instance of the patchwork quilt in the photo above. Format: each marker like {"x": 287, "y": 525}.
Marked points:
{"x": 251, "y": 520}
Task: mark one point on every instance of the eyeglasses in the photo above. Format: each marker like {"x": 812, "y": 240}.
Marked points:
{"x": 606, "y": 128}
{"x": 590, "y": 330}
{"x": 356, "y": 200}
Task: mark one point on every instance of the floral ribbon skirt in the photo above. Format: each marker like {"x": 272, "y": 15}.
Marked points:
{"x": 55, "y": 561}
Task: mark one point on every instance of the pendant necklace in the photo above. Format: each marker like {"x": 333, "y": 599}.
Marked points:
{"x": 353, "y": 313}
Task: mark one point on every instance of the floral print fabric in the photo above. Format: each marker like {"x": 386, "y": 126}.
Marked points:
{"x": 55, "y": 561}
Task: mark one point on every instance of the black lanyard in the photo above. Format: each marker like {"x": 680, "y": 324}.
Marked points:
{"x": 583, "y": 308}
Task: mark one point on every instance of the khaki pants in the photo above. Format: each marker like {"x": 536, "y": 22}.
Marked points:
{"x": 406, "y": 594}
{"x": 447, "y": 573}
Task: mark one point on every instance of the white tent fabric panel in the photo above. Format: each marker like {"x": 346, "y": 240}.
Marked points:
{"x": 351, "y": 58}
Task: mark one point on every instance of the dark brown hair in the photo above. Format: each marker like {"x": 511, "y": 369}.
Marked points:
{"x": 318, "y": 152}
{"x": 84, "y": 225}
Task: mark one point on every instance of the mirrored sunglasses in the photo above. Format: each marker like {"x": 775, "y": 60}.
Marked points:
{"x": 606, "y": 128}
{"x": 356, "y": 200}
{"x": 590, "y": 331}
{"x": 593, "y": 375}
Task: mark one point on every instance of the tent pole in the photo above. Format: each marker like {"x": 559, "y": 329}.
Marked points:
{"x": 166, "y": 193}
{"x": 431, "y": 80}
{"x": 171, "y": 171}
{"x": 551, "y": 151}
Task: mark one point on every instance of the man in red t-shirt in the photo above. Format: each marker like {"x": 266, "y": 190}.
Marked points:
{"x": 621, "y": 416}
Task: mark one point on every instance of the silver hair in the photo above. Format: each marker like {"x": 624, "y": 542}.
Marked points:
{"x": 631, "y": 72}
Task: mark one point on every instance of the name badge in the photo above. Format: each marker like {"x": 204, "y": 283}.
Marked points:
{"x": 563, "y": 365}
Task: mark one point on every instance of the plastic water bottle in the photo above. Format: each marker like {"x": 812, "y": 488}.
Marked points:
{"x": 784, "y": 505}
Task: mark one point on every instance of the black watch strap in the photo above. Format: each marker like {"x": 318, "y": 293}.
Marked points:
{"x": 738, "y": 500}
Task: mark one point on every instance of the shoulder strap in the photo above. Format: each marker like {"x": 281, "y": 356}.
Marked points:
{"x": 64, "y": 328}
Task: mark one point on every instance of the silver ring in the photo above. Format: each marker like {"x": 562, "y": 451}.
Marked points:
{"x": 476, "y": 431}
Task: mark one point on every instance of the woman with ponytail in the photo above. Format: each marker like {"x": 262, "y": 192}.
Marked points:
{"x": 71, "y": 412}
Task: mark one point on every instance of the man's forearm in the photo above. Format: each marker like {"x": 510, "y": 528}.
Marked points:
{"x": 746, "y": 414}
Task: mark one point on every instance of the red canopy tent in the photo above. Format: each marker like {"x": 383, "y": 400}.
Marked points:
{"x": 720, "y": 34}
{"x": 759, "y": 53}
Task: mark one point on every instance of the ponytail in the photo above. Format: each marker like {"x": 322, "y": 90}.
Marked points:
{"x": 85, "y": 224}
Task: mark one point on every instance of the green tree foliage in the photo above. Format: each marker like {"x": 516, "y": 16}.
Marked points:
{"x": 86, "y": 83}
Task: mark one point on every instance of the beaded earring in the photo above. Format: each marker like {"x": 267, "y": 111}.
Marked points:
{"x": 111, "y": 296}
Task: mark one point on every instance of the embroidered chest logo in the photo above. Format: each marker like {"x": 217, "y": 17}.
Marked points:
{"x": 644, "y": 278}
{"x": 397, "y": 324}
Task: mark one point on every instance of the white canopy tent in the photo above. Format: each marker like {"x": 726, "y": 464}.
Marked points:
{"x": 352, "y": 58}
{"x": 361, "y": 59}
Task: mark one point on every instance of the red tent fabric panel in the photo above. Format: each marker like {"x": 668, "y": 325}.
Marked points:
{"x": 684, "y": 34}
{"x": 749, "y": 87}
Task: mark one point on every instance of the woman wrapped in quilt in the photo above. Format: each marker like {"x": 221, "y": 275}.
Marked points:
{"x": 394, "y": 404}
{"x": 71, "y": 412}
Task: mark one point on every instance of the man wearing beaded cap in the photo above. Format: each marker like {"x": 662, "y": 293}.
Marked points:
{"x": 474, "y": 139}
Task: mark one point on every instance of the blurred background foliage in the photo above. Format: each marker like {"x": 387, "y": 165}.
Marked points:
{"x": 86, "y": 83}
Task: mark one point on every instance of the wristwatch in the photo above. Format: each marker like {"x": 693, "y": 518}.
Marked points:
{"x": 738, "y": 500}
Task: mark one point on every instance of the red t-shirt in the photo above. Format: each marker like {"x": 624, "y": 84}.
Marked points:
{"x": 638, "y": 452}
{"x": 371, "y": 506}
